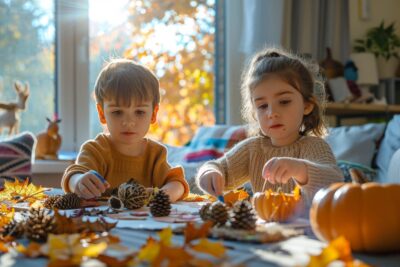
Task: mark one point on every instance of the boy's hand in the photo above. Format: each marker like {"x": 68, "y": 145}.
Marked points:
{"x": 281, "y": 169}
{"x": 212, "y": 182}
{"x": 88, "y": 186}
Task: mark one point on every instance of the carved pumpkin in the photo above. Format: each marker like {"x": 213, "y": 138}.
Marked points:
{"x": 368, "y": 215}
{"x": 277, "y": 206}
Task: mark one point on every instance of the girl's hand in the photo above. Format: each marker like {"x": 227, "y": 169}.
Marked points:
{"x": 281, "y": 169}
{"x": 88, "y": 186}
{"x": 212, "y": 182}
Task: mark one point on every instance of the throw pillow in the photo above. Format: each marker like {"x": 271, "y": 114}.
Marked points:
{"x": 15, "y": 157}
{"x": 389, "y": 145}
{"x": 355, "y": 143}
{"x": 212, "y": 142}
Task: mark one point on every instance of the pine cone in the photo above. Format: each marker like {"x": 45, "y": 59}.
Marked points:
{"x": 205, "y": 212}
{"x": 68, "y": 201}
{"x": 110, "y": 192}
{"x": 132, "y": 194}
{"x": 218, "y": 213}
{"x": 115, "y": 203}
{"x": 14, "y": 229}
{"x": 160, "y": 206}
{"x": 243, "y": 216}
{"x": 50, "y": 201}
{"x": 39, "y": 224}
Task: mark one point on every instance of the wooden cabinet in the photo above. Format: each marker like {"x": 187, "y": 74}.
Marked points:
{"x": 353, "y": 110}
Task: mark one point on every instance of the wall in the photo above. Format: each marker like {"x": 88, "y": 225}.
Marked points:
{"x": 235, "y": 60}
{"x": 387, "y": 10}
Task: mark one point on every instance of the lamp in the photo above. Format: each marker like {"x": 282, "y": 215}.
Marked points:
{"x": 367, "y": 69}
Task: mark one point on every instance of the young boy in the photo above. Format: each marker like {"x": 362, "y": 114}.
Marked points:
{"x": 128, "y": 97}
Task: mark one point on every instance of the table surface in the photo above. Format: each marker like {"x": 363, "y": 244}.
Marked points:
{"x": 292, "y": 252}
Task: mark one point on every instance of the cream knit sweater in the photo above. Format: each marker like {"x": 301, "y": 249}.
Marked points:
{"x": 246, "y": 160}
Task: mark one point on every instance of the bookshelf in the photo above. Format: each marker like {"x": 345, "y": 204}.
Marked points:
{"x": 354, "y": 110}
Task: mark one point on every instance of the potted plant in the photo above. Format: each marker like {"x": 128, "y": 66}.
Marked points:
{"x": 384, "y": 43}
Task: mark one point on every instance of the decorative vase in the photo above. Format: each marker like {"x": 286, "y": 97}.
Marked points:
{"x": 387, "y": 68}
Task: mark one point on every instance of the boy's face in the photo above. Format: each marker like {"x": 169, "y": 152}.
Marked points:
{"x": 127, "y": 124}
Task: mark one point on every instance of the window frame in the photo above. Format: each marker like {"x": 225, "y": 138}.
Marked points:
{"x": 72, "y": 70}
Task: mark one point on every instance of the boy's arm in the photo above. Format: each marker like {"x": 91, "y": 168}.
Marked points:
{"x": 89, "y": 158}
{"x": 174, "y": 189}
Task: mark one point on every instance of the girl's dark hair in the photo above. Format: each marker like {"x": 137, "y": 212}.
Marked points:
{"x": 296, "y": 71}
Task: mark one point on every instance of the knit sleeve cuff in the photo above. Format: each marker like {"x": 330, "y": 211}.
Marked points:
{"x": 176, "y": 174}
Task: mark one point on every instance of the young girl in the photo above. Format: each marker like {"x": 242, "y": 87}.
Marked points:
{"x": 286, "y": 118}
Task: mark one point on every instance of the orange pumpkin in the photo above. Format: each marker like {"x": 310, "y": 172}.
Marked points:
{"x": 277, "y": 206}
{"x": 368, "y": 215}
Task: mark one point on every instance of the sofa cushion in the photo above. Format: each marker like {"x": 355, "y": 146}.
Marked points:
{"x": 355, "y": 143}
{"x": 390, "y": 144}
{"x": 212, "y": 142}
{"x": 16, "y": 156}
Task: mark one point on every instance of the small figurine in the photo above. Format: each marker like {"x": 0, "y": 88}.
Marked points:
{"x": 49, "y": 141}
{"x": 11, "y": 116}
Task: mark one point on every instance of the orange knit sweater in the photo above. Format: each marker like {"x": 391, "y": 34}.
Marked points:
{"x": 150, "y": 169}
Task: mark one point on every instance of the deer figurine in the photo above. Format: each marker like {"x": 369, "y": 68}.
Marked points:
{"x": 49, "y": 141}
{"x": 11, "y": 116}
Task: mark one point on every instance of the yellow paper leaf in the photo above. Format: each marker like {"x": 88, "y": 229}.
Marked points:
{"x": 166, "y": 236}
{"x": 69, "y": 248}
{"x": 337, "y": 249}
{"x": 215, "y": 249}
{"x": 6, "y": 215}
{"x": 149, "y": 251}
{"x": 21, "y": 191}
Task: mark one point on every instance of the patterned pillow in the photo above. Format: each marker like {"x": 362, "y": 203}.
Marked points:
{"x": 15, "y": 157}
{"x": 345, "y": 166}
{"x": 212, "y": 142}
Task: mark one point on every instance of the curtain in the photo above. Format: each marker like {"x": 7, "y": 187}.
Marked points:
{"x": 304, "y": 26}
{"x": 318, "y": 24}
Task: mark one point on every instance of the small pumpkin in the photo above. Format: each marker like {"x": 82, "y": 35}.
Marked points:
{"x": 367, "y": 215}
{"x": 277, "y": 206}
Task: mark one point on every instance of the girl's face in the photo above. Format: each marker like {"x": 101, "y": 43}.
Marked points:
{"x": 279, "y": 110}
{"x": 128, "y": 124}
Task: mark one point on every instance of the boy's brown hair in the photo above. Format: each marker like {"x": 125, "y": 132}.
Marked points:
{"x": 123, "y": 80}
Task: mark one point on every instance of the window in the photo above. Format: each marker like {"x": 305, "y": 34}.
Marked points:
{"x": 27, "y": 52}
{"x": 60, "y": 46}
{"x": 175, "y": 40}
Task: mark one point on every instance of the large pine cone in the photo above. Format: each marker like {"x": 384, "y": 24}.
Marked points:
{"x": 39, "y": 224}
{"x": 50, "y": 201}
{"x": 205, "y": 212}
{"x": 243, "y": 216}
{"x": 132, "y": 194}
{"x": 68, "y": 201}
{"x": 160, "y": 205}
{"x": 14, "y": 229}
{"x": 218, "y": 213}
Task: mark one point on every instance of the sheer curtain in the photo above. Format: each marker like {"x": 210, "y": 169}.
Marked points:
{"x": 306, "y": 26}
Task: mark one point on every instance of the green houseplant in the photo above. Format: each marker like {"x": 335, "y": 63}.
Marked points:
{"x": 381, "y": 41}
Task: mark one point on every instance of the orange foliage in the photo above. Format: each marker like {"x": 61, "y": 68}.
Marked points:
{"x": 183, "y": 62}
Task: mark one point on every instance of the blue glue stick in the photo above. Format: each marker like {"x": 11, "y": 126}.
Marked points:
{"x": 101, "y": 178}
{"x": 221, "y": 198}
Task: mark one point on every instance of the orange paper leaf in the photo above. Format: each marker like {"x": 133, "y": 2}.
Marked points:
{"x": 236, "y": 195}
{"x": 193, "y": 233}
